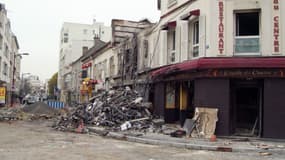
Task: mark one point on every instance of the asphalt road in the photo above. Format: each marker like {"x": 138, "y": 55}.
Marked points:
{"x": 36, "y": 141}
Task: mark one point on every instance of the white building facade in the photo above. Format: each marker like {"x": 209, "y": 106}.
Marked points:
{"x": 193, "y": 29}
{"x": 9, "y": 61}
{"x": 74, "y": 40}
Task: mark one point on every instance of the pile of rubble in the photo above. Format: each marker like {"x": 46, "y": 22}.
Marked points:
{"x": 9, "y": 114}
{"x": 34, "y": 111}
{"x": 121, "y": 109}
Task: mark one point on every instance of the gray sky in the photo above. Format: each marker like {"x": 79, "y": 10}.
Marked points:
{"x": 37, "y": 24}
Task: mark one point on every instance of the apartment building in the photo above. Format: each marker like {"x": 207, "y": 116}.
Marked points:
{"x": 74, "y": 40}
{"x": 9, "y": 59}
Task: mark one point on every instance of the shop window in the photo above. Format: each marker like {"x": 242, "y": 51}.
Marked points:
{"x": 171, "y": 44}
{"x": 247, "y": 38}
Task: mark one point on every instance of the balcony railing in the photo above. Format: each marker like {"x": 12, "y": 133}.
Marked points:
{"x": 247, "y": 45}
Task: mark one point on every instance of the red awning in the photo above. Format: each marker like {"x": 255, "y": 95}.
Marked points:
{"x": 86, "y": 65}
{"x": 222, "y": 63}
{"x": 195, "y": 12}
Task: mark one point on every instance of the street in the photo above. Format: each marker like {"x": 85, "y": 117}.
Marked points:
{"x": 35, "y": 140}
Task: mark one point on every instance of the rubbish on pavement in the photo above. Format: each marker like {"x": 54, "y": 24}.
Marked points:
{"x": 178, "y": 133}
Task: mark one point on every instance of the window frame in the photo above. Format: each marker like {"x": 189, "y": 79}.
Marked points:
{"x": 237, "y": 37}
{"x": 195, "y": 37}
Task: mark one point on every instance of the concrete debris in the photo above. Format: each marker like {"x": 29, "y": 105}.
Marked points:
{"x": 9, "y": 114}
{"x": 280, "y": 146}
{"x": 265, "y": 153}
{"x": 116, "y": 110}
{"x": 39, "y": 108}
{"x": 32, "y": 112}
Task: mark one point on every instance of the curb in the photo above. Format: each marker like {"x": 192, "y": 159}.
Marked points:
{"x": 120, "y": 136}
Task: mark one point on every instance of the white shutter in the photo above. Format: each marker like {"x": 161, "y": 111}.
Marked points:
{"x": 202, "y": 36}
{"x": 177, "y": 43}
{"x": 184, "y": 40}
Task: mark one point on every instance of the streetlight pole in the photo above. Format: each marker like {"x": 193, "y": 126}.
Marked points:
{"x": 13, "y": 75}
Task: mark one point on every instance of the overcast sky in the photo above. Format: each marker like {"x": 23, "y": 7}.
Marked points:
{"x": 37, "y": 23}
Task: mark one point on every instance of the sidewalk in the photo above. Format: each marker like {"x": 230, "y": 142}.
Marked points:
{"x": 222, "y": 144}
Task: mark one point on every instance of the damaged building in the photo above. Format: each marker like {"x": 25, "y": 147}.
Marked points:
{"x": 130, "y": 42}
{"x": 221, "y": 54}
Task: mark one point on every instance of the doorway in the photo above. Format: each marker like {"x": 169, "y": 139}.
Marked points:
{"x": 247, "y": 108}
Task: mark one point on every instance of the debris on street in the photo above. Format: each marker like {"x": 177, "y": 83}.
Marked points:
{"x": 265, "y": 154}
{"x": 121, "y": 109}
{"x": 9, "y": 114}
{"x": 34, "y": 111}
{"x": 40, "y": 108}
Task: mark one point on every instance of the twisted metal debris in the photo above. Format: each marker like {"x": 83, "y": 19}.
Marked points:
{"x": 116, "y": 110}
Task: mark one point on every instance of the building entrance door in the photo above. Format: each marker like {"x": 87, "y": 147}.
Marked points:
{"x": 246, "y": 108}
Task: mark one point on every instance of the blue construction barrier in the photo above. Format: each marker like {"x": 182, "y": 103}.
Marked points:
{"x": 55, "y": 104}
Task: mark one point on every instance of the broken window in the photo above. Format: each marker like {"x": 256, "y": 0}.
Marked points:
{"x": 5, "y": 69}
{"x": 145, "y": 53}
{"x": 145, "y": 47}
{"x": 247, "y": 33}
{"x": 6, "y": 50}
{"x": 112, "y": 66}
{"x": 127, "y": 57}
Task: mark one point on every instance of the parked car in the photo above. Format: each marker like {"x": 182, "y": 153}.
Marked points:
{"x": 29, "y": 99}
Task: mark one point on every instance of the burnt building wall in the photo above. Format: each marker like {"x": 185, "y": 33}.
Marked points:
{"x": 215, "y": 93}
{"x": 274, "y": 108}
{"x": 159, "y": 99}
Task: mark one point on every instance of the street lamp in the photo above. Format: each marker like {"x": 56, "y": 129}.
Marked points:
{"x": 13, "y": 75}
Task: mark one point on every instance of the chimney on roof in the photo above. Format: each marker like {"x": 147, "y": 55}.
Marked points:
{"x": 96, "y": 38}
